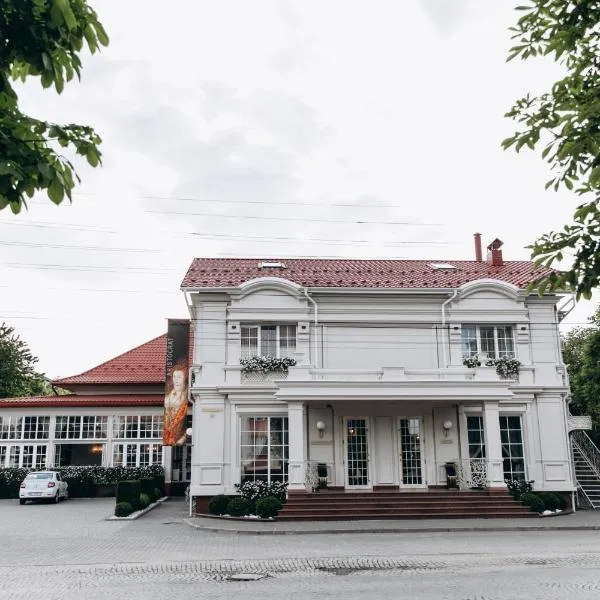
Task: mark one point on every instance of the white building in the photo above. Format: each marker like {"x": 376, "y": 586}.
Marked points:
{"x": 113, "y": 417}
{"x": 379, "y": 393}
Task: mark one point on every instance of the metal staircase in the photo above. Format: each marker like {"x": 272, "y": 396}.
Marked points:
{"x": 586, "y": 460}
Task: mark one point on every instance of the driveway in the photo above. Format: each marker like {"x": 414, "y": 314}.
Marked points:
{"x": 70, "y": 551}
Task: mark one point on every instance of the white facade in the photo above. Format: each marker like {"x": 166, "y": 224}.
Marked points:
{"x": 379, "y": 394}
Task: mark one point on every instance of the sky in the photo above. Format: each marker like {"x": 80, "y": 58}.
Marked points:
{"x": 270, "y": 129}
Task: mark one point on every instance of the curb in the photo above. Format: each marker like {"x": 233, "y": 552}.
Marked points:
{"x": 139, "y": 513}
{"x": 376, "y": 530}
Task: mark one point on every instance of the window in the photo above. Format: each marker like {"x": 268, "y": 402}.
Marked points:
{"x": 511, "y": 438}
{"x": 487, "y": 340}
{"x": 475, "y": 437}
{"x": 268, "y": 340}
{"x": 11, "y": 428}
{"x": 137, "y": 455}
{"x": 68, "y": 428}
{"x": 264, "y": 448}
{"x": 14, "y": 456}
{"x": 2, "y": 456}
{"x": 36, "y": 428}
{"x": 94, "y": 427}
{"x": 151, "y": 426}
{"x": 134, "y": 426}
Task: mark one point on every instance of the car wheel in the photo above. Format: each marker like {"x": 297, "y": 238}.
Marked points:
{"x": 57, "y": 498}
{"x": 21, "y": 501}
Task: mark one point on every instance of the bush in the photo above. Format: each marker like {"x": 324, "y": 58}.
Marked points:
{"x": 159, "y": 484}
{"x": 123, "y": 509}
{"x": 157, "y": 493}
{"x": 144, "y": 501}
{"x": 551, "y": 500}
{"x": 239, "y": 507}
{"x": 147, "y": 487}
{"x": 267, "y": 507}
{"x": 218, "y": 504}
{"x": 535, "y": 503}
{"x": 129, "y": 491}
{"x": 255, "y": 490}
{"x": 518, "y": 487}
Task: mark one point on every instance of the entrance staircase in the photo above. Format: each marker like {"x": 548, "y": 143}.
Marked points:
{"x": 586, "y": 460}
{"x": 335, "y": 504}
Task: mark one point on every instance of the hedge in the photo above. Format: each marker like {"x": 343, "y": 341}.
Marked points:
{"x": 83, "y": 481}
{"x": 129, "y": 491}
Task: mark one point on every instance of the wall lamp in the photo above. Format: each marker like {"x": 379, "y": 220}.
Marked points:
{"x": 321, "y": 428}
{"x": 447, "y": 426}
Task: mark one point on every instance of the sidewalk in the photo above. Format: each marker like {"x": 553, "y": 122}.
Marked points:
{"x": 588, "y": 520}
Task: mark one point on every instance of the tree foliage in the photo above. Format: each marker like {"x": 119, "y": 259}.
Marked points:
{"x": 18, "y": 376}
{"x": 581, "y": 353}
{"x": 42, "y": 39}
{"x": 566, "y": 121}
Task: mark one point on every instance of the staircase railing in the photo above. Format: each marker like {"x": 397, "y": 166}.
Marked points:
{"x": 582, "y": 441}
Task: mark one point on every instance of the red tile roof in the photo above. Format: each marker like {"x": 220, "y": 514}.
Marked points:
{"x": 143, "y": 364}
{"x": 321, "y": 273}
{"x": 84, "y": 400}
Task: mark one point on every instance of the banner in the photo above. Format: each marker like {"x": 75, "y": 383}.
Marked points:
{"x": 176, "y": 383}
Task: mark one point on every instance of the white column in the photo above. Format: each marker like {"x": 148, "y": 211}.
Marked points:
{"x": 297, "y": 447}
{"x": 493, "y": 446}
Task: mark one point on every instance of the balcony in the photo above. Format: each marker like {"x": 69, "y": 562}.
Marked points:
{"x": 232, "y": 375}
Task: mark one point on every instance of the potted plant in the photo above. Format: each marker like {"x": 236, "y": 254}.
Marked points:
{"x": 266, "y": 364}
{"x": 506, "y": 366}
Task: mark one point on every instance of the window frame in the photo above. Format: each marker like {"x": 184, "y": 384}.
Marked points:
{"x": 269, "y": 446}
{"x": 283, "y": 331}
{"x": 496, "y": 339}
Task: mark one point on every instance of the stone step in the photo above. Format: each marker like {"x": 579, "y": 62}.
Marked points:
{"x": 376, "y": 516}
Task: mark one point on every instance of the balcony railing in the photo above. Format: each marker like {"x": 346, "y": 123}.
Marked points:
{"x": 233, "y": 375}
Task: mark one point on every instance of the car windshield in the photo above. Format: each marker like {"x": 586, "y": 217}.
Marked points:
{"x": 39, "y": 476}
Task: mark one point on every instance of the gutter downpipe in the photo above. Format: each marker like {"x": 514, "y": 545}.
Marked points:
{"x": 444, "y": 347}
{"x": 316, "y": 345}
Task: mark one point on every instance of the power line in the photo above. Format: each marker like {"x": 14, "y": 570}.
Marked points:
{"x": 293, "y": 219}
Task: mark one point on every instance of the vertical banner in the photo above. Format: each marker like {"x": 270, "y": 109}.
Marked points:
{"x": 176, "y": 383}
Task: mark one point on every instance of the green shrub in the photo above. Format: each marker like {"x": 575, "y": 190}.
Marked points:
{"x": 218, "y": 504}
{"x": 144, "y": 501}
{"x": 267, "y": 507}
{"x": 238, "y": 507}
{"x": 518, "y": 487}
{"x": 533, "y": 501}
{"x": 551, "y": 500}
{"x": 255, "y": 490}
{"x": 129, "y": 491}
{"x": 159, "y": 484}
{"x": 147, "y": 487}
{"x": 157, "y": 493}
{"x": 123, "y": 509}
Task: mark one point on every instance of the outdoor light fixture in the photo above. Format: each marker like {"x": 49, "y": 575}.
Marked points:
{"x": 188, "y": 432}
{"x": 321, "y": 428}
{"x": 447, "y": 425}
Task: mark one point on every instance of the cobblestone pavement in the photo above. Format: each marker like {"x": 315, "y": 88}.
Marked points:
{"x": 71, "y": 551}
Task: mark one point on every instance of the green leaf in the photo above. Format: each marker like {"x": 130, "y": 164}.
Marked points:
{"x": 56, "y": 191}
{"x": 47, "y": 79}
{"x": 92, "y": 156}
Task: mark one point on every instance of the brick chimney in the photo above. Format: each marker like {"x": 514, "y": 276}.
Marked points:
{"x": 478, "y": 253}
{"x": 494, "y": 254}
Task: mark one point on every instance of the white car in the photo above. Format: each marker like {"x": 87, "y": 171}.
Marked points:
{"x": 43, "y": 485}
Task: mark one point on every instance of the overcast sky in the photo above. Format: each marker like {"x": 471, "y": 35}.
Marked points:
{"x": 271, "y": 128}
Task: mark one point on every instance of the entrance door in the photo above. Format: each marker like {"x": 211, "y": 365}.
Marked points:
{"x": 411, "y": 463}
{"x": 357, "y": 453}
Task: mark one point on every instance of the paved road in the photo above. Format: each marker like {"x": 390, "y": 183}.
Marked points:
{"x": 71, "y": 551}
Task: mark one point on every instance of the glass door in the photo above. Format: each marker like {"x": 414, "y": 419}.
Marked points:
{"x": 357, "y": 453}
{"x": 411, "y": 463}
